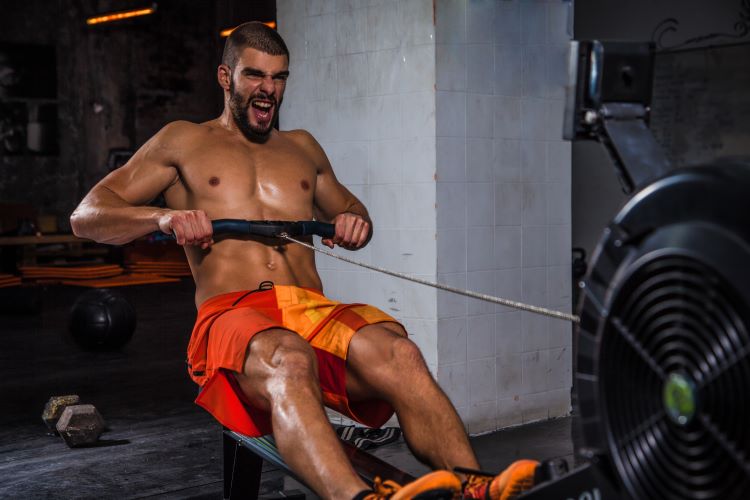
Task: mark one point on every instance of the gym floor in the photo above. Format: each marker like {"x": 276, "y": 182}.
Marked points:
{"x": 158, "y": 444}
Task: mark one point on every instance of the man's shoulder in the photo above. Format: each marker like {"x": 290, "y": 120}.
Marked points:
{"x": 304, "y": 139}
{"x": 183, "y": 129}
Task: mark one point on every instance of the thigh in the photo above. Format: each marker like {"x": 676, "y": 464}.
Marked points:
{"x": 273, "y": 353}
{"x": 370, "y": 360}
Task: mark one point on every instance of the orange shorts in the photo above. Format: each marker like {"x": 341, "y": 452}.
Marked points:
{"x": 226, "y": 324}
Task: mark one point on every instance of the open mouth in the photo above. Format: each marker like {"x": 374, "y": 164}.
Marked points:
{"x": 262, "y": 109}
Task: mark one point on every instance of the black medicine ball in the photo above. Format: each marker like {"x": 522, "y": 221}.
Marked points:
{"x": 101, "y": 320}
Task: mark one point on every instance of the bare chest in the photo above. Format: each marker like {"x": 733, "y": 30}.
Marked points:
{"x": 263, "y": 181}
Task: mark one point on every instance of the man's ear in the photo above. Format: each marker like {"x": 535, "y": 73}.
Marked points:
{"x": 224, "y": 75}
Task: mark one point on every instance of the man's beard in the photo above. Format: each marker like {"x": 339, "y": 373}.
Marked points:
{"x": 239, "y": 111}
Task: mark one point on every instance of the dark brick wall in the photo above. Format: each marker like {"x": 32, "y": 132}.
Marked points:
{"x": 117, "y": 85}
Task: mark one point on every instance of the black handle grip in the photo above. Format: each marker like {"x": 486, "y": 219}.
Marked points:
{"x": 272, "y": 228}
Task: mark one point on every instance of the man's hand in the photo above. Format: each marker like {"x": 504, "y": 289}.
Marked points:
{"x": 352, "y": 231}
{"x": 190, "y": 227}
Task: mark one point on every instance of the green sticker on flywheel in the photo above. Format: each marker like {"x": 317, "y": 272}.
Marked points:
{"x": 678, "y": 397}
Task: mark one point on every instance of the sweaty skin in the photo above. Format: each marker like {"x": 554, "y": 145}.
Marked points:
{"x": 213, "y": 169}
{"x": 237, "y": 166}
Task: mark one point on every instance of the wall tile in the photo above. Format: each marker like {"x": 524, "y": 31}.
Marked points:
{"x": 533, "y": 23}
{"x": 452, "y": 378}
{"x": 423, "y": 332}
{"x": 450, "y": 21}
{"x": 508, "y": 412}
{"x": 508, "y": 337}
{"x": 451, "y": 250}
{"x": 419, "y": 68}
{"x": 535, "y": 286}
{"x": 481, "y": 282}
{"x": 451, "y": 305}
{"x": 385, "y": 205}
{"x": 480, "y": 210}
{"x": 451, "y": 340}
{"x": 422, "y": 300}
{"x": 450, "y": 60}
{"x": 535, "y": 71}
{"x": 418, "y": 114}
{"x": 554, "y": 119}
{"x": 480, "y": 20}
{"x": 509, "y": 373}
{"x": 535, "y": 365}
{"x": 557, "y": 70}
{"x": 451, "y": 159}
{"x": 559, "y": 403}
{"x": 480, "y": 59}
{"x": 558, "y": 203}
{"x": 557, "y": 22}
{"x": 451, "y": 114}
{"x": 480, "y": 116}
{"x": 451, "y": 204}
{"x": 558, "y": 161}
{"x": 559, "y": 245}
{"x": 417, "y": 22}
{"x": 479, "y": 160}
{"x": 561, "y": 332}
{"x": 480, "y": 251}
{"x": 508, "y": 244}
{"x": 318, "y": 7}
{"x": 509, "y": 70}
{"x": 351, "y": 28}
{"x": 384, "y": 117}
{"x": 419, "y": 162}
{"x": 558, "y": 284}
{"x": 534, "y": 113}
{"x": 384, "y": 27}
{"x": 509, "y": 286}
{"x": 507, "y": 160}
{"x": 321, "y": 36}
{"x": 386, "y": 161}
{"x": 535, "y": 407}
{"x": 387, "y": 293}
{"x": 560, "y": 363}
{"x": 386, "y": 71}
{"x": 481, "y": 340}
{"x": 418, "y": 251}
{"x": 482, "y": 417}
{"x": 534, "y": 203}
{"x": 533, "y": 161}
{"x": 351, "y": 71}
{"x": 351, "y": 126}
{"x": 481, "y": 377}
{"x": 534, "y": 332}
{"x": 534, "y": 246}
{"x": 508, "y": 23}
{"x": 509, "y": 204}
{"x": 349, "y": 161}
{"x": 508, "y": 117}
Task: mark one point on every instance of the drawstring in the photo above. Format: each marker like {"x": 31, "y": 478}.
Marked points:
{"x": 264, "y": 285}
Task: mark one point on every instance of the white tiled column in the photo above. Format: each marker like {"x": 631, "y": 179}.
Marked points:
{"x": 503, "y": 219}
{"x": 445, "y": 118}
{"x": 363, "y": 83}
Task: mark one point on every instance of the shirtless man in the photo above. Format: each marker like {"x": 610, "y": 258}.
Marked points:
{"x": 269, "y": 357}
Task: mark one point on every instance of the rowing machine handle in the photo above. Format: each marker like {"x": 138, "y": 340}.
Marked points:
{"x": 272, "y": 228}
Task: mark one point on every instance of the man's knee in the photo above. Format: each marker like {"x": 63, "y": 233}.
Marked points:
{"x": 280, "y": 353}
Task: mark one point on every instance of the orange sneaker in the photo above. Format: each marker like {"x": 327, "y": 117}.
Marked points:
{"x": 507, "y": 485}
{"x": 438, "y": 485}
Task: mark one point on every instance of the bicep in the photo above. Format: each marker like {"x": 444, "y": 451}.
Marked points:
{"x": 139, "y": 181}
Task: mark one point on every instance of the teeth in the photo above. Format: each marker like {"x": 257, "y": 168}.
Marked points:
{"x": 262, "y": 105}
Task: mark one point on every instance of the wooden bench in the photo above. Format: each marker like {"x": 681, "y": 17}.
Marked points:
{"x": 244, "y": 457}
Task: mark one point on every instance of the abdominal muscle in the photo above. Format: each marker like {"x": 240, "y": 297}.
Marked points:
{"x": 238, "y": 265}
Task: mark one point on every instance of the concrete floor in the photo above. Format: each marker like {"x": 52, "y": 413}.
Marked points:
{"x": 158, "y": 443}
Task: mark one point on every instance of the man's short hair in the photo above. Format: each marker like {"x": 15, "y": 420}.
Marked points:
{"x": 255, "y": 35}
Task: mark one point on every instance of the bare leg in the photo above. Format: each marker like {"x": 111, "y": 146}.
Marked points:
{"x": 281, "y": 376}
{"x": 383, "y": 363}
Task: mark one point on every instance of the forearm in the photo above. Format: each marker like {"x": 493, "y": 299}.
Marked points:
{"x": 106, "y": 218}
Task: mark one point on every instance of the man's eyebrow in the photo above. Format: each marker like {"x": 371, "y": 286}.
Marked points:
{"x": 257, "y": 72}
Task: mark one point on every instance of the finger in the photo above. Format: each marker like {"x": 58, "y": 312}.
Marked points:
{"x": 179, "y": 233}
{"x": 364, "y": 231}
{"x": 207, "y": 228}
{"x": 351, "y": 223}
{"x": 327, "y": 242}
{"x": 340, "y": 231}
{"x": 189, "y": 231}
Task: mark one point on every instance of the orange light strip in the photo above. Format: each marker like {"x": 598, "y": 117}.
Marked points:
{"x": 225, "y": 33}
{"x": 119, "y": 16}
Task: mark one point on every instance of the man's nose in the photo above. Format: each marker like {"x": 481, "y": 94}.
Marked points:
{"x": 267, "y": 85}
